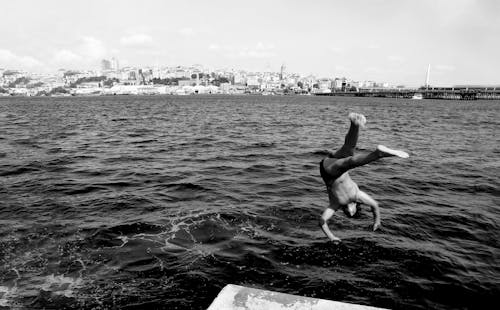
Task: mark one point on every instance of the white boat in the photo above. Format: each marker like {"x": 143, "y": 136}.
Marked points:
{"x": 417, "y": 96}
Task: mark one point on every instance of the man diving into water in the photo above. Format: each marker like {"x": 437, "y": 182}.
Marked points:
{"x": 343, "y": 193}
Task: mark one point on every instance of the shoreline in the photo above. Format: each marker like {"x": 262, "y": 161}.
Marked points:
{"x": 474, "y": 97}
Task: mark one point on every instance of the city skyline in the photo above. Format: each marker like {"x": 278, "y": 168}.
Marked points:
{"x": 381, "y": 40}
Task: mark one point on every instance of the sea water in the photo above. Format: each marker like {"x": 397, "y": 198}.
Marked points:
{"x": 159, "y": 202}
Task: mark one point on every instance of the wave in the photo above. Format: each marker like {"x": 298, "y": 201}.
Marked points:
{"x": 126, "y": 158}
{"x": 18, "y": 171}
{"x": 185, "y": 187}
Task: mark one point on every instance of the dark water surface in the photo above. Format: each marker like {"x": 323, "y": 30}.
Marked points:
{"x": 158, "y": 202}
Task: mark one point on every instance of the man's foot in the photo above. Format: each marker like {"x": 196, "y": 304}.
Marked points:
{"x": 386, "y": 152}
{"x": 358, "y": 119}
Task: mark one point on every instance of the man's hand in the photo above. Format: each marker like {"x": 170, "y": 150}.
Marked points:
{"x": 334, "y": 239}
{"x": 376, "y": 225}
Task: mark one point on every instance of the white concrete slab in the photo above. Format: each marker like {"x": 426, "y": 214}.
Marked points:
{"x": 235, "y": 297}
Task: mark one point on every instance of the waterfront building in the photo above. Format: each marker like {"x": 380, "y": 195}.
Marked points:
{"x": 271, "y": 85}
{"x": 225, "y": 87}
{"x": 88, "y": 91}
{"x": 309, "y": 81}
{"x": 187, "y": 82}
{"x": 324, "y": 84}
{"x": 148, "y": 90}
{"x": 337, "y": 83}
{"x": 89, "y": 85}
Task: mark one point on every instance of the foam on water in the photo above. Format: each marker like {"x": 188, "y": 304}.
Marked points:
{"x": 61, "y": 285}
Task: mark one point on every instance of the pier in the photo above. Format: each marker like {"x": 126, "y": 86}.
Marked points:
{"x": 449, "y": 93}
{"x": 235, "y": 297}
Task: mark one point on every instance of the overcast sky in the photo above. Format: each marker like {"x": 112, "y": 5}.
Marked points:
{"x": 381, "y": 40}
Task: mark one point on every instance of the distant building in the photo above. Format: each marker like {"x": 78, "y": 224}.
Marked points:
{"x": 157, "y": 73}
{"x": 140, "y": 77}
{"x": 291, "y": 80}
{"x": 253, "y": 81}
{"x": 324, "y": 84}
{"x": 356, "y": 85}
{"x": 271, "y": 85}
{"x": 369, "y": 84}
{"x": 239, "y": 79}
{"x": 337, "y": 83}
{"x": 114, "y": 64}
{"x": 187, "y": 82}
{"x": 225, "y": 88}
{"x": 182, "y": 73}
{"x": 105, "y": 65}
{"x": 132, "y": 75}
{"x": 282, "y": 71}
{"x": 89, "y": 85}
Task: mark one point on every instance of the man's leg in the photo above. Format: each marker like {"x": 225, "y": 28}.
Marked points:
{"x": 342, "y": 165}
{"x": 351, "y": 138}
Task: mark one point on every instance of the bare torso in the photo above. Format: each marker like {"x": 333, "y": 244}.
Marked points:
{"x": 342, "y": 191}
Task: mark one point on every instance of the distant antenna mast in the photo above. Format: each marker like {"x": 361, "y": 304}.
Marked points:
{"x": 427, "y": 77}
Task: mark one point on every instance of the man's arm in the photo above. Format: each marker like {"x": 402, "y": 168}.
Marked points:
{"x": 364, "y": 198}
{"x": 327, "y": 214}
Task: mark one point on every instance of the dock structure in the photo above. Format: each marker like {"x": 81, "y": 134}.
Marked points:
{"x": 450, "y": 93}
{"x": 235, "y": 297}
